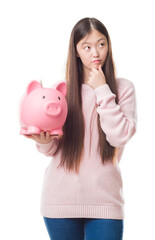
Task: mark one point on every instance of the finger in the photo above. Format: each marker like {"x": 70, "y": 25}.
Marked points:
{"x": 94, "y": 70}
{"x": 100, "y": 69}
{"x": 47, "y": 135}
{"x": 35, "y": 136}
{"x": 42, "y": 135}
{"x": 28, "y": 136}
{"x": 58, "y": 137}
{"x": 54, "y": 135}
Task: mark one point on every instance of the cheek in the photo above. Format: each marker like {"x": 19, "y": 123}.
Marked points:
{"x": 84, "y": 59}
{"x": 104, "y": 54}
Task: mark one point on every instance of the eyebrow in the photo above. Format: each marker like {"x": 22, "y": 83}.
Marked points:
{"x": 97, "y": 41}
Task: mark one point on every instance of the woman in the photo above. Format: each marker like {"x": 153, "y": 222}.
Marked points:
{"x": 82, "y": 194}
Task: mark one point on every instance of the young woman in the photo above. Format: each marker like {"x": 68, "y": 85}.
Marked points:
{"x": 82, "y": 194}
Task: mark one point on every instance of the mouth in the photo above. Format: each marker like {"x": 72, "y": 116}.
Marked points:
{"x": 96, "y": 61}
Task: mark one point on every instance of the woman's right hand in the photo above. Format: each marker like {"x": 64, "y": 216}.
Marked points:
{"x": 43, "y": 137}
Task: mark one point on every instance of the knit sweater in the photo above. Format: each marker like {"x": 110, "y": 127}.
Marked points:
{"x": 96, "y": 191}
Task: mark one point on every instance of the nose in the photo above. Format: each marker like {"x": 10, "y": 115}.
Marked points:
{"x": 52, "y": 109}
{"x": 95, "y": 52}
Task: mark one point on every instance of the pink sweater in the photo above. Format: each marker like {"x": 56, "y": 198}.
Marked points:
{"x": 96, "y": 191}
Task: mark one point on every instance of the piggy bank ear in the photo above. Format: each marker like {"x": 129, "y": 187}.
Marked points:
{"x": 32, "y": 86}
{"x": 61, "y": 87}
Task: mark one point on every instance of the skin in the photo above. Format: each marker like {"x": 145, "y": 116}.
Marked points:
{"x": 43, "y": 137}
{"x": 93, "y": 47}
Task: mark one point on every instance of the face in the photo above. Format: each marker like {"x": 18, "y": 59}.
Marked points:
{"x": 92, "y": 50}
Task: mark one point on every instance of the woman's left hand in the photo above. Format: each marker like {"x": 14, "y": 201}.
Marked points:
{"x": 96, "y": 78}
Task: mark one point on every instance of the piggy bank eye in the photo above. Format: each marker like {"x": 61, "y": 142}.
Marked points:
{"x": 43, "y": 97}
{"x": 59, "y": 98}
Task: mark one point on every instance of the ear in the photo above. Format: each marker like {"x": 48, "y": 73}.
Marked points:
{"x": 32, "y": 86}
{"x": 77, "y": 54}
{"x": 61, "y": 87}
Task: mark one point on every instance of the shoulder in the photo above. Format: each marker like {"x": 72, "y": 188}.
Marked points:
{"x": 123, "y": 83}
{"x": 125, "y": 87}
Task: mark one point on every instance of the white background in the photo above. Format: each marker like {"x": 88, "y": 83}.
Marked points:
{"x": 34, "y": 37}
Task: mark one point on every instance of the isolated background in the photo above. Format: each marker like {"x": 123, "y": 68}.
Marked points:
{"x": 34, "y": 39}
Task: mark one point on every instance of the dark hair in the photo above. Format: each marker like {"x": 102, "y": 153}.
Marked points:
{"x": 72, "y": 141}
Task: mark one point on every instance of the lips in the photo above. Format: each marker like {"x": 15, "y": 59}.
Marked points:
{"x": 96, "y": 61}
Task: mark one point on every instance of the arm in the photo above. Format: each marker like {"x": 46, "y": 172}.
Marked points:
{"x": 118, "y": 121}
{"x": 49, "y": 148}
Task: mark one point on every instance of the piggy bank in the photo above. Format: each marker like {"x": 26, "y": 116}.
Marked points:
{"x": 43, "y": 109}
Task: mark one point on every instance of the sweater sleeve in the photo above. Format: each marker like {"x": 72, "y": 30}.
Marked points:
{"x": 48, "y": 149}
{"x": 118, "y": 121}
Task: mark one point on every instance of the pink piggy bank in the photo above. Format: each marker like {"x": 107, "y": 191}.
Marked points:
{"x": 43, "y": 109}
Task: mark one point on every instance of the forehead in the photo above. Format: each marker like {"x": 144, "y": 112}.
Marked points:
{"x": 92, "y": 37}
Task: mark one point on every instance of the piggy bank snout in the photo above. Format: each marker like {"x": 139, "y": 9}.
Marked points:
{"x": 52, "y": 109}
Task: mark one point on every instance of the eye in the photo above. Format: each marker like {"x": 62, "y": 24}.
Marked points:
{"x": 43, "y": 97}
{"x": 59, "y": 98}
{"x": 101, "y": 44}
{"x": 87, "y": 48}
